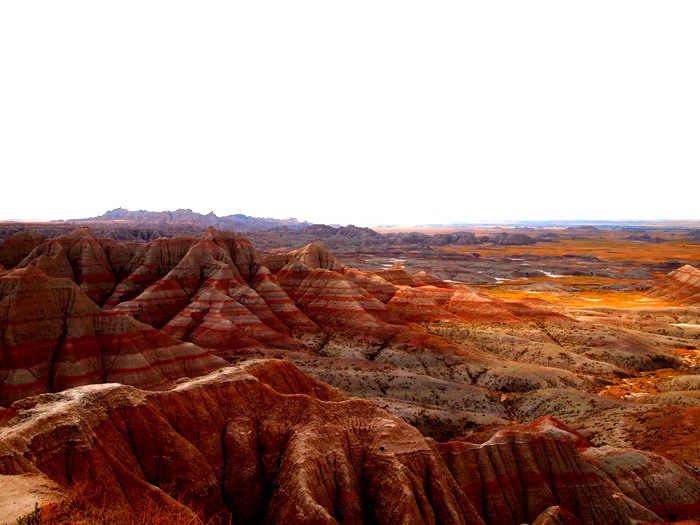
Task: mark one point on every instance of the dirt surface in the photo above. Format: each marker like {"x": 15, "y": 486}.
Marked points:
{"x": 19, "y": 494}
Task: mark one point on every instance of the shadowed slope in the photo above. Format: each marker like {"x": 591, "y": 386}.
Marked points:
{"x": 52, "y": 337}
{"x": 17, "y": 247}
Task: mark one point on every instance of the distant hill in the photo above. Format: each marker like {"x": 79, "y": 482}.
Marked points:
{"x": 182, "y": 217}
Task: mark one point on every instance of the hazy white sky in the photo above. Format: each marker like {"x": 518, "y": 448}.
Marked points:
{"x": 362, "y": 112}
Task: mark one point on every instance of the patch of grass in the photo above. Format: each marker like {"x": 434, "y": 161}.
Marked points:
{"x": 82, "y": 508}
{"x": 31, "y": 518}
{"x": 606, "y": 248}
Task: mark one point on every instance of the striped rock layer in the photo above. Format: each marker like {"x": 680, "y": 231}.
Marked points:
{"x": 216, "y": 292}
{"x": 53, "y": 337}
{"x": 263, "y": 443}
{"x": 681, "y": 285}
{"x": 211, "y": 290}
{"x": 81, "y": 257}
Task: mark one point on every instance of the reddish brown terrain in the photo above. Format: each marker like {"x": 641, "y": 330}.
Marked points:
{"x": 540, "y": 382}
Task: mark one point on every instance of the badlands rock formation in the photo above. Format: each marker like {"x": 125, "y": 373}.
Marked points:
{"x": 681, "y": 285}
{"x": 81, "y": 257}
{"x": 17, "y": 247}
{"x": 366, "y": 332}
{"x": 263, "y": 443}
{"x": 53, "y": 337}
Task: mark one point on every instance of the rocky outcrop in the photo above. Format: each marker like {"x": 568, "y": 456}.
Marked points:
{"x": 17, "y": 247}
{"x": 150, "y": 263}
{"x": 78, "y": 256}
{"x": 217, "y": 295}
{"x": 53, "y": 337}
{"x": 344, "y": 310}
{"x": 263, "y": 443}
{"x": 521, "y": 474}
{"x": 217, "y": 292}
{"x": 267, "y": 287}
{"x": 413, "y": 304}
{"x": 376, "y": 286}
{"x": 243, "y": 254}
{"x": 352, "y": 231}
{"x": 312, "y": 256}
{"x": 653, "y": 481}
{"x": 681, "y": 285}
{"x": 240, "y": 444}
{"x": 512, "y": 239}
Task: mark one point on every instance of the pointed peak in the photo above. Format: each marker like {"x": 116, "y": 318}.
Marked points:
{"x": 214, "y": 234}
{"x": 312, "y": 248}
{"x": 82, "y": 232}
{"x": 316, "y": 256}
{"x": 688, "y": 268}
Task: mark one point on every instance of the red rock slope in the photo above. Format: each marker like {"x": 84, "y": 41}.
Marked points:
{"x": 681, "y": 285}
{"x": 17, "y": 247}
{"x": 213, "y": 292}
{"x": 80, "y": 257}
{"x": 53, "y": 337}
{"x": 263, "y": 443}
{"x": 216, "y": 292}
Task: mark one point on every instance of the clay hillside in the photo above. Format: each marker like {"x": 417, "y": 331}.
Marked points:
{"x": 194, "y": 379}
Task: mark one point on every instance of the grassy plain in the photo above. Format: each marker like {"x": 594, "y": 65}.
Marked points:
{"x": 610, "y": 248}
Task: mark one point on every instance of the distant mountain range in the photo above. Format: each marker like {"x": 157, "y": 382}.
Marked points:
{"x": 181, "y": 217}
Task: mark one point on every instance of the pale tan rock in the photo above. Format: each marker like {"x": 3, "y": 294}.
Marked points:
{"x": 21, "y": 493}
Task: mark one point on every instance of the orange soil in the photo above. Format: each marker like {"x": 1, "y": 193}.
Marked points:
{"x": 645, "y": 383}
{"x": 586, "y": 297}
{"x": 610, "y": 249}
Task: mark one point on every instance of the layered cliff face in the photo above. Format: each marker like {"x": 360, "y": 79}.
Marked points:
{"x": 235, "y": 445}
{"x": 80, "y": 257}
{"x": 53, "y": 337}
{"x": 681, "y": 285}
{"x": 365, "y": 332}
{"x": 214, "y": 292}
{"x": 263, "y": 443}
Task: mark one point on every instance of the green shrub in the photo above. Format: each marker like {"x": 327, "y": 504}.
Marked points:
{"x": 31, "y": 518}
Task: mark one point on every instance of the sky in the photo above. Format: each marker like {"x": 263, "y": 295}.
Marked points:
{"x": 363, "y": 112}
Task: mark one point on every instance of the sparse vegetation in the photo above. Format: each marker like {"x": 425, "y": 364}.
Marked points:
{"x": 31, "y": 518}
{"x": 83, "y": 508}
